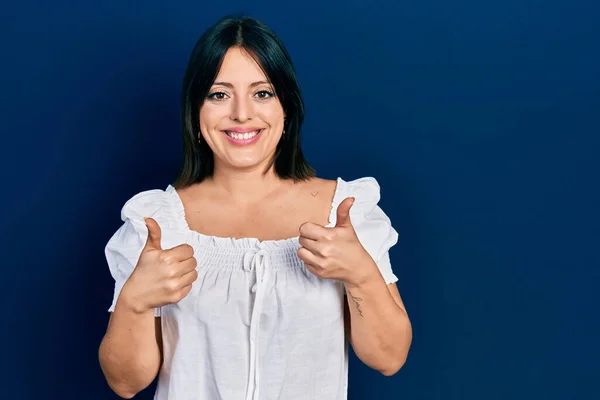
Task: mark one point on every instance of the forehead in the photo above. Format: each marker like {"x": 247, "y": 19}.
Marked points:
{"x": 239, "y": 67}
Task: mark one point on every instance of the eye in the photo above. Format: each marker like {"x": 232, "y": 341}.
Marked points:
{"x": 217, "y": 96}
{"x": 264, "y": 94}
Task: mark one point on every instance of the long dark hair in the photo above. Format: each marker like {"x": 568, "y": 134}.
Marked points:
{"x": 204, "y": 63}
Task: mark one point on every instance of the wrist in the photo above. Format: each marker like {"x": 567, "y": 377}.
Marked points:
{"x": 368, "y": 277}
{"x": 129, "y": 301}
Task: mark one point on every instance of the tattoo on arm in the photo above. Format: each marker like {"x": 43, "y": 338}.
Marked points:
{"x": 357, "y": 301}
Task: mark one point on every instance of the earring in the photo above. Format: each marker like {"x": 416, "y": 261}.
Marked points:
{"x": 283, "y": 133}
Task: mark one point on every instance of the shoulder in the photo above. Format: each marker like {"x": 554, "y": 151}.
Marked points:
{"x": 320, "y": 184}
{"x": 163, "y": 205}
{"x": 365, "y": 191}
{"x": 366, "y": 194}
{"x": 314, "y": 191}
{"x": 372, "y": 225}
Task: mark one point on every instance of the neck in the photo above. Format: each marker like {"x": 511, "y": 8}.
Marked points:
{"x": 245, "y": 186}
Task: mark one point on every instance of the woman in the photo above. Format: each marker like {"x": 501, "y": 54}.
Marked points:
{"x": 231, "y": 283}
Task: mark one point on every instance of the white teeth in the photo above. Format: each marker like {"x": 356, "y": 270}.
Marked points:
{"x": 243, "y": 136}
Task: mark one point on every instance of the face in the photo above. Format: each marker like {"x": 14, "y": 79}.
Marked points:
{"x": 241, "y": 119}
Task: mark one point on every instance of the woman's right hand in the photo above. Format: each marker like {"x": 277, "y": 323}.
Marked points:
{"x": 160, "y": 277}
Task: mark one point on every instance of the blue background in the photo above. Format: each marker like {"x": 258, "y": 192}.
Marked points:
{"x": 479, "y": 119}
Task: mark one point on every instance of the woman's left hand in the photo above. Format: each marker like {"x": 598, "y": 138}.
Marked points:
{"x": 336, "y": 252}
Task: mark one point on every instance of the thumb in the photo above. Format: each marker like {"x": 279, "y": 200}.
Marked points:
{"x": 154, "y": 235}
{"x": 343, "y": 212}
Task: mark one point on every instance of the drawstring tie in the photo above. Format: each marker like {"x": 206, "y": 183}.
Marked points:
{"x": 258, "y": 261}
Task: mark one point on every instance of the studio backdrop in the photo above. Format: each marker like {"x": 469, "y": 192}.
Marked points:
{"x": 478, "y": 119}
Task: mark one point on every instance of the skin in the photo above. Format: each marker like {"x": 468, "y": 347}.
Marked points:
{"x": 239, "y": 200}
{"x": 379, "y": 330}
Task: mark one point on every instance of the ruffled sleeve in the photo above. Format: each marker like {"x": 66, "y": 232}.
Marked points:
{"x": 373, "y": 227}
{"x": 125, "y": 246}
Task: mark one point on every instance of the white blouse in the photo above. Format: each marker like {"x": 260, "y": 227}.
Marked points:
{"x": 256, "y": 324}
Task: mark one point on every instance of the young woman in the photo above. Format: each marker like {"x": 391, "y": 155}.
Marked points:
{"x": 246, "y": 277}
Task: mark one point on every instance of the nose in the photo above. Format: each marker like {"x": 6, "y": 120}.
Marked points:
{"x": 242, "y": 109}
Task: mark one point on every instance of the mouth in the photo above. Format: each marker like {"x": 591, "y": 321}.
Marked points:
{"x": 243, "y": 138}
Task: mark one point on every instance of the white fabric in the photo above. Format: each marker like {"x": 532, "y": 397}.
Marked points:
{"x": 256, "y": 324}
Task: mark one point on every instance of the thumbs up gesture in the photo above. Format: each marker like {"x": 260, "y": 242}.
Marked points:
{"x": 336, "y": 252}
{"x": 160, "y": 277}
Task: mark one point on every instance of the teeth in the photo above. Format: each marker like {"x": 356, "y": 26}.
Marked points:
{"x": 242, "y": 136}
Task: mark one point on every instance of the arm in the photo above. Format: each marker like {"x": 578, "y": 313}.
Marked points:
{"x": 378, "y": 328}
{"x": 131, "y": 352}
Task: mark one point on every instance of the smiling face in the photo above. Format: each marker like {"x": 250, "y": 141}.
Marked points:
{"x": 241, "y": 119}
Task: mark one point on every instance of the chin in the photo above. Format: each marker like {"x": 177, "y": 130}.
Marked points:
{"x": 247, "y": 159}
{"x": 245, "y": 163}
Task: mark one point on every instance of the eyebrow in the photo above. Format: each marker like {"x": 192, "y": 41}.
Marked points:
{"x": 229, "y": 85}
